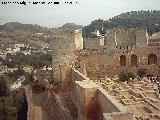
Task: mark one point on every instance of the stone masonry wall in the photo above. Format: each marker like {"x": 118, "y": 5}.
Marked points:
{"x": 94, "y": 43}
{"x": 141, "y": 39}
{"x": 125, "y": 38}
{"x": 118, "y": 116}
{"x": 63, "y": 45}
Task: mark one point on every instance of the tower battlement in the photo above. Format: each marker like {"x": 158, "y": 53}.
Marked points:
{"x": 67, "y": 32}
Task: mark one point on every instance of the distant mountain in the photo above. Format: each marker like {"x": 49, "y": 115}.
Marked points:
{"x": 13, "y": 32}
{"x": 133, "y": 19}
{"x": 24, "y": 27}
{"x": 72, "y": 26}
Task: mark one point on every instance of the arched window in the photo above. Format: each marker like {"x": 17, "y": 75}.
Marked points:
{"x": 152, "y": 59}
{"x": 133, "y": 60}
{"x": 123, "y": 60}
{"x": 127, "y": 47}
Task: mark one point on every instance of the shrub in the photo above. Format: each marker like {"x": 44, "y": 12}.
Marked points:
{"x": 125, "y": 76}
{"x": 4, "y": 89}
{"x": 28, "y": 78}
{"x": 141, "y": 72}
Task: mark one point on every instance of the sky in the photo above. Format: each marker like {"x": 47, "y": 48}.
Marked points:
{"x": 83, "y": 12}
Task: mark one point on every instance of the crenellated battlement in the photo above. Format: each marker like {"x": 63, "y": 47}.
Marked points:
{"x": 66, "y": 32}
{"x": 126, "y": 37}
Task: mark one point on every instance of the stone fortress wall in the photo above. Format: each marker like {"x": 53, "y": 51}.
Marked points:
{"x": 117, "y": 49}
{"x": 94, "y": 43}
{"x": 125, "y": 38}
{"x": 123, "y": 48}
{"x": 119, "y": 38}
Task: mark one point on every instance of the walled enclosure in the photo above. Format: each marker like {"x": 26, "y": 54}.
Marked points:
{"x": 93, "y": 100}
{"x": 89, "y": 98}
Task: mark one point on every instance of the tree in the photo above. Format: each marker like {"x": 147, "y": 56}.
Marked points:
{"x": 4, "y": 89}
{"x": 126, "y": 76}
{"x": 141, "y": 72}
{"x": 159, "y": 70}
{"x": 19, "y": 72}
{"x": 12, "y": 103}
{"x": 28, "y": 78}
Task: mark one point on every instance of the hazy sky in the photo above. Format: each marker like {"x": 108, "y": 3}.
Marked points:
{"x": 83, "y": 12}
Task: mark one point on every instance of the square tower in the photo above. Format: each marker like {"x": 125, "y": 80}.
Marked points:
{"x": 63, "y": 44}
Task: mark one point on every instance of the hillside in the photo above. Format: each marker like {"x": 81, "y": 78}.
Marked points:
{"x": 133, "y": 19}
{"x": 14, "y": 33}
{"x": 11, "y": 26}
{"x": 72, "y": 26}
